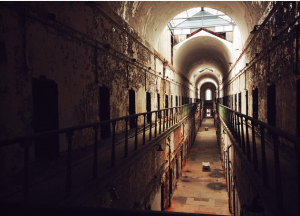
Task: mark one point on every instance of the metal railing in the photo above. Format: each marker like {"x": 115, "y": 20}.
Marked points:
{"x": 162, "y": 120}
{"x": 237, "y": 122}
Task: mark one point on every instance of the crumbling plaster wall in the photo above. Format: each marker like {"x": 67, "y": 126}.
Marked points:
{"x": 270, "y": 60}
{"x": 79, "y": 47}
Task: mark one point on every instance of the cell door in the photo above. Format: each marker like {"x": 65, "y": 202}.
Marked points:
{"x": 298, "y": 107}
{"x": 167, "y": 104}
{"x": 148, "y": 105}
{"x": 45, "y": 117}
{"x": 104, "y": 111}
{"x": 132, "y": 121}
{"x": 247, "y": 102}
{"x": 271, "y": 105}
{"x": 240, "y": 102}
{"x": 255, "y": 103}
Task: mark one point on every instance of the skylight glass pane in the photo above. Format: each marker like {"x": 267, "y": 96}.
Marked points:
{"x": 177, "y": 21}
{"x": 219, "y": 28}
{"x": 186, "y": 31}
{"x": 210, "y": 10}
{"x": 177, "y": 32}
{"x": 228, "y": 28}
{"x": 193, "y": 11}
{"x": 227, "y": 18}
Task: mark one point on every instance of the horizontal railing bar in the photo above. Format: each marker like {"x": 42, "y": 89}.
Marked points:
{"x": 279, "y": 132}
{"x": 79, "y": 127}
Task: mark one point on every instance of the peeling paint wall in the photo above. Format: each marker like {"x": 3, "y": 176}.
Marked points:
{"x": 80, "y": 47}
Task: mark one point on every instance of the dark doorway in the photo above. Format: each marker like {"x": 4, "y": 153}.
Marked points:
{"x": 104, "y": 110}
{"x": 247, "y": 102}
{"x": 240, "y": 102}
{"x": 167, "y": 104}
{"x": 158, "y": 105}
{"x": 298, "y": 107}
{"x": 132, "y": 121}
{"x": 271, "y": 105}
{"x": 148, "y": 106}
{"x": 45, "y": 117}
{"x": 255, "y": 103}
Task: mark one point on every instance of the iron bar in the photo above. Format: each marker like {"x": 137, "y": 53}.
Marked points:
{"x": 238, "y": 130}
{"x": 248, "y": 142}
{"x": 243, "y": 135}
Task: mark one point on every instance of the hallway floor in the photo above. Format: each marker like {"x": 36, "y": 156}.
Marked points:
{"x": 199, "y": 190}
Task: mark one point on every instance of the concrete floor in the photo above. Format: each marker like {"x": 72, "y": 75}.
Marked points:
{"x": 198, "y": 190}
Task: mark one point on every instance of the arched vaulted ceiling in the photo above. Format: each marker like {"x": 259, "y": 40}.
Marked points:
{"x": 149, "y": 18}
{"x": 202, "y": 52}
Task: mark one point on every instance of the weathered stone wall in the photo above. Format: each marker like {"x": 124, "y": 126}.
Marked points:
{"x": 270, "y": 58}
{"x": 79, "y": 47}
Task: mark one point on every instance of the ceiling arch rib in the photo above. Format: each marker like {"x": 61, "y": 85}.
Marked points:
{"x": 202, "y": 51}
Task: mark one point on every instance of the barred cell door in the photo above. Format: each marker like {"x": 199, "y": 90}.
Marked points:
{"x": 104, "y": 110}
{"x": 132, "y": 108}
{"x": 45, "y": 117}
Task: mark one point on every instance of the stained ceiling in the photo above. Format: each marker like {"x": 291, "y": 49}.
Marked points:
{"x": 150, "y": 18}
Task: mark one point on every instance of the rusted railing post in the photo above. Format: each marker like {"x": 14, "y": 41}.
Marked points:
{"x": 263, "y": 156}
{"x": 238, "y": 130}
{"x": 113, "y": 144}
{"x": 278, "y": 184}
{"x": 126, "y": 137}
{"x": 95, "y": 162}
{"x": 248, "y": 141}
{"x": 70, "y": 135}
{"x": 243, "y": 135}
{"x": 255, "y": 162}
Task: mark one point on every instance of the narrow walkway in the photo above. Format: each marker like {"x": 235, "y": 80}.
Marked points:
{"x": 198, "y": 190}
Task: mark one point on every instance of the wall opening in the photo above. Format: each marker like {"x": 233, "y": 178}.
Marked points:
{"x": 247, "y": 102}
{"x": 132, "y": 122}
{"x": 45, "y": 117}
{"x": 255, "y": 103}
{"x": 208, "y": 94}
{"x": 271, "y": 105}
{"x": 104, "y": 110}
{"x": 148, "y": 105}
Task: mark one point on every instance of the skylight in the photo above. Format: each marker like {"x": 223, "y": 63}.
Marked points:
{"x": 200, "y": 17}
